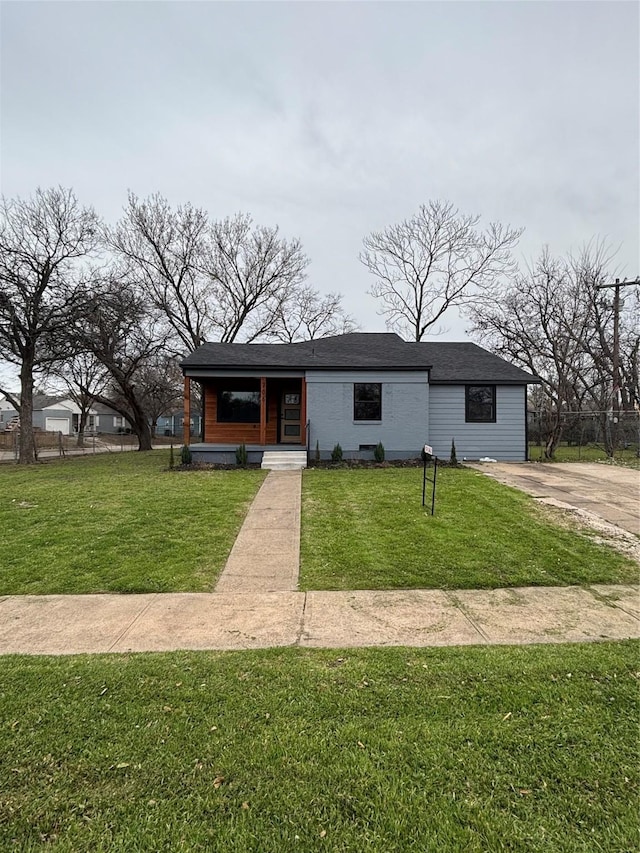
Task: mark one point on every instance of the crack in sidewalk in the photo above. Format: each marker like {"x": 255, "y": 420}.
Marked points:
{"x": 138, "y": 616}
{"x": 460, "y": 607}
{"x": 302, "y": 620}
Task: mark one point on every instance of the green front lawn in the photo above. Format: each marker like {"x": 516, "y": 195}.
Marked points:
{"x": 118, "y": 523}
{"x": 367, "y": 529}
{"x": 485, "y": 749}
{"x": 587, "y": 453}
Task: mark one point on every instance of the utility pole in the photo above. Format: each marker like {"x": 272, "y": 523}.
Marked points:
{"x": 617, "y": 397}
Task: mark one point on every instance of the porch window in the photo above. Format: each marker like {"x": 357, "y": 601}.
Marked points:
{"x": 367, "y": 401}
{"x": 238, "y": 407}
{"x": 480, "y": 404}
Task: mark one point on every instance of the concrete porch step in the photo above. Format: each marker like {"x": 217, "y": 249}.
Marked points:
{"x": 284, "y": 460}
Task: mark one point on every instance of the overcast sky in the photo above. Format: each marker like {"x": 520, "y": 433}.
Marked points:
{"x": 334, "y": 119}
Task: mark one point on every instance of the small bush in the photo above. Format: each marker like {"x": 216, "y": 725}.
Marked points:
{"x": 241, "y": 455}
{"x": 185, "y": 455}
{"x": 453, "y": 459}
{"x": 378, "y": 453}
{"x": 336, "y": 453}
{"x": 317, "y": 451}
{"x": 172, "y": 460}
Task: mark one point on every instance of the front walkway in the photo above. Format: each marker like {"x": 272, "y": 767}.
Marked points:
{"x": 266, "y": 553}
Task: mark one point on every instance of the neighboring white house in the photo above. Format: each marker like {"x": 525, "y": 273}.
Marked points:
{"x": 61, "y": 414}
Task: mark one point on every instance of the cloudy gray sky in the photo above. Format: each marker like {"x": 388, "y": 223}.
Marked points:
{"x": 332, "y": 119}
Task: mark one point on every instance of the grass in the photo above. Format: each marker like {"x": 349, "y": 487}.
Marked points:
{"x": 587, "y": 453}
{"x": 485, "y": 749}
{"x": 117, "y": 523}
{"x": 367, "y": 529}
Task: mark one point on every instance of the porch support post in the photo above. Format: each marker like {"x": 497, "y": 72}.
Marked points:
{"x": 303, "y": 411}
{"x": 186, "y": 427}
{"x": 263, "y": 410}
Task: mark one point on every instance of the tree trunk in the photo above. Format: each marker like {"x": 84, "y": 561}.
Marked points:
{"x": 27, "y": 445}
{"x": 140, "y": 426}
{"x": 552, "y": 440}
{"x": 82, "y": 423}
{"x": 609, "y": 433}
{"x": 142, "y": 431}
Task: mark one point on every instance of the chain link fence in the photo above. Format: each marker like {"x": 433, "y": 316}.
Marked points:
{"x": 586, "y": 435}
{"x": 56, "y": 445}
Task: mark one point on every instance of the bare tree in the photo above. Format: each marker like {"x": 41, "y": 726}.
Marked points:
{"x": 167, "y": 248}
{"x": 41, "y": 241}
{"x": 254, "y": 273}
{"x": 433, "y": 261}
{"x": 555, "y": 321}
{"x": 309, "y": 315}
{"x": 83, "y": 377}
{"x": 124, "y": 333}
{"x": 161, "y": 387}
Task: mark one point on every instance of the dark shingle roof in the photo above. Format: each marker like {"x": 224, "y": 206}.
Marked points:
{"x": 468, "y": 362}
{"x": 448, "y": 362}
{"x": 41, "y": 401}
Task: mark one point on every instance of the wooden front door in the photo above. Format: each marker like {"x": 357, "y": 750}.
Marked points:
{"x": 290, "y": 418}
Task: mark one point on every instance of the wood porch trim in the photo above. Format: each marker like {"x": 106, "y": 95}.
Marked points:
{"x": 186, "y": 427}
{"x": 303, "y": 412}
{"x": 263, "y": 410}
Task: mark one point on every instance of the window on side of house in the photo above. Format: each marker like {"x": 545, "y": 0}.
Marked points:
{"x": 480, "y": 404}
{"x": 238, "y": 407}
{"x": 367, "y": 401}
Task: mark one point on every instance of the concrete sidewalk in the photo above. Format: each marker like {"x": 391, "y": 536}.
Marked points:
{"x": 72, "y": 624}
{"x": 266, "y": 554}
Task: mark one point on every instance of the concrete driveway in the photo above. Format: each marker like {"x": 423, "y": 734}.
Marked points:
{"x": 608, "y": 491}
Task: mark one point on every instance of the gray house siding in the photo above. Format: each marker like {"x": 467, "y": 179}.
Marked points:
{"x": 55, "y": 420}
{"x": 503, "y": 440}
{"x": 403, "y": 428}
{"x": 106, "y": 421}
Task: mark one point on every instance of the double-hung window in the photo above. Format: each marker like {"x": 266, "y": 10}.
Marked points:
{"x": 480, "y": 404}
{"x": 367, "y": 401}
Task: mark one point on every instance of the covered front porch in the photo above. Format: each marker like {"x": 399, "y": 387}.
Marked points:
{"x": 266, "y": 412}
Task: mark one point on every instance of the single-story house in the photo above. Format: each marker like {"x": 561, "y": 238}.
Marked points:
{"x": 357, "y": 390}
{"x": 50, "y": 413}
{"x": 60, "y": 414}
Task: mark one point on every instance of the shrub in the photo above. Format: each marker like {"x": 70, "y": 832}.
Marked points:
{"x": 336, "y": 454}
{"x": 317, "y": 451}
{"x": 453, "y": 459}
{"x": 172, "y": 460}
{"x": 378, "y": 453}
{"x": 241, "y": 456}
{"x": 185, "y": 455}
